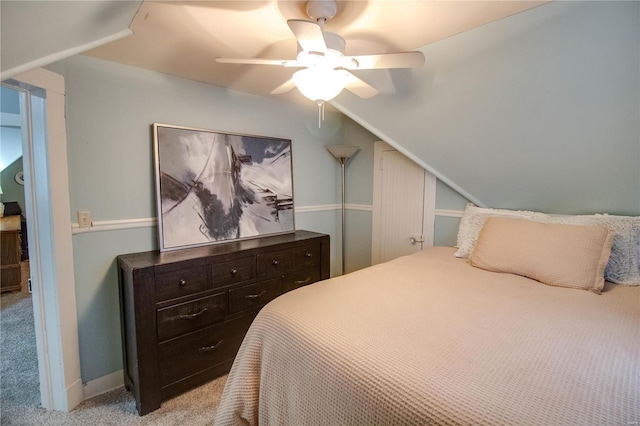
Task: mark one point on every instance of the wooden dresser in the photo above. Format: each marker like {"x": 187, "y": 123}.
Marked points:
{"x": 10, "y": 272}
{"x": 185, "y": 312}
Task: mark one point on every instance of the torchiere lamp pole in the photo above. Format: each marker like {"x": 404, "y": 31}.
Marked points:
{"x": 342, "y": 154}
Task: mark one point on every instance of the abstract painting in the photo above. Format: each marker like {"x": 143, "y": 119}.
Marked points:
{"x": 213, "y": 187}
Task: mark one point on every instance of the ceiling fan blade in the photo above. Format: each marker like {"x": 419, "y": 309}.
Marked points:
{"x": 308, "y": 34}
{"x": 385, "y": 60}
{"x": 359, "y": 87}
{"x": 281, "y": 62}
{"x": 284, "y": 87}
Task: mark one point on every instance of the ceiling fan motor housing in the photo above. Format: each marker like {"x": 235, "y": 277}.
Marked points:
{"x": 322, "y": 10}
{"x": 333, "y": 58}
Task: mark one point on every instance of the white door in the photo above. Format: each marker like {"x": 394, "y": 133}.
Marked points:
{"x": 403, "y": 205}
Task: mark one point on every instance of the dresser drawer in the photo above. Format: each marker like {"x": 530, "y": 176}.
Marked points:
{"x": 234, "y": 271}
{"x": 187, "y": 355}
{"x": 299, "y": 279}
{"x": 274, "y": 264}
{"x": 170, "y": 285}
{"x": 254, "y": 295}
{"x": 185, "y": 312}
{"x": 306, "y": 257}
{"x": 189, "y": 316}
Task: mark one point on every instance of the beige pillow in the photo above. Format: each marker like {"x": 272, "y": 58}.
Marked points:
{"x": 555, "y": 254}
{"x": 473, "y": 220}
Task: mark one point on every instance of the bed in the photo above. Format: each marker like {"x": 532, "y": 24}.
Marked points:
{"x": 430, "y": 339}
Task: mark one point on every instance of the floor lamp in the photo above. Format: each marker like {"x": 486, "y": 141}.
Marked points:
{"x": 342, "y": 154}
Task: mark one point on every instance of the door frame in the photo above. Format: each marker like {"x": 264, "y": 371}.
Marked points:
{"x": 428, "y": 210}
{"x": 50, "y": 238}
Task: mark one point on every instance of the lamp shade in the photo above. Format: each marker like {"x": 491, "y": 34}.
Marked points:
{"x": 343, "y": 151}
{"x": 320, "y": 84}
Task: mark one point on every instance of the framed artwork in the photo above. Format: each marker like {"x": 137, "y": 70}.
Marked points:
{"x": 214, "y": 187}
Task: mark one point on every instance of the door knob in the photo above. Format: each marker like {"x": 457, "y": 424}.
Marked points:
{"x": 416, "y": 239}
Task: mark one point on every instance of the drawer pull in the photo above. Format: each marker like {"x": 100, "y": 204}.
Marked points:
{"x": 255, "y": 296}
{"x": 233, "y": 271}
{"x": 193, "y": 316}
{"x": 308, "y": 255}
{"x": 211, "y": 348}
{"x": 182, "y": 283}
{"x": 274, "y": 262}
{"x": 305, "y": 281}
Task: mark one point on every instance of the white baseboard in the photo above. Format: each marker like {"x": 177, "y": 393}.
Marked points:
{"x": 103, "y": 384}
{"x": 75, "y": 395}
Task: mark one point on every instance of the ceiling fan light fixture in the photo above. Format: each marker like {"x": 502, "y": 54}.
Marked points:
{"x": 320, "y": 84}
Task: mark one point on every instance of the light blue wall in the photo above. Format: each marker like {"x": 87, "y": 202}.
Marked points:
{"x": 446, "y": 227}
{"x": 539, "y": 110}
{"x": 359, "y": 191}
{"x": 359, "y": 170}
{"x": 535, "y": 111}
{"x": 110, "y": 108}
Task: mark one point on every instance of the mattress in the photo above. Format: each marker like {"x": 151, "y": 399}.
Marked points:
{"x": 429, "y": 339}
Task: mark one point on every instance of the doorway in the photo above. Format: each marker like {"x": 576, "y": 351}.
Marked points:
{"x": 403, "y": 205}
{"x": 50, "y": 245}
{"x": 19, "y": 362}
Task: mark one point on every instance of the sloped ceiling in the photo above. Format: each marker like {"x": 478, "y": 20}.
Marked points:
{"x": 531, "y": 110}
{"x": 38, "y": 33}
{"x": 184, "y": 38}
{"x": 537, "y": 111}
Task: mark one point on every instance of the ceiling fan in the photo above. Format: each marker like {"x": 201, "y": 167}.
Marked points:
{"x": 321, "y": 54}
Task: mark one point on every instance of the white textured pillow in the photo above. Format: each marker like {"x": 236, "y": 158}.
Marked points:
{"x": 556, "y": 254}
{"x": 624, "y": 262}
{"x": 474, "y": 218}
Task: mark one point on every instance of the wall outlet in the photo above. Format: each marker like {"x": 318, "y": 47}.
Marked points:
{"x": 84, "y": 219}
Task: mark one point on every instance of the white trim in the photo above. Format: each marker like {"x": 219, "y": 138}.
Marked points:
{"x": 378, "y": 150}
{"x": 75, "y": 394}
{"x": 449, "y": 213}
{"x": 104, "y": 384}
{"x": 149, "y": 222}
{"x": 319, "y": 208}
{"x": 389, "y": 140}
{"x": 58, "y": 56}
{"x": 360, "y": 207}
{"x": 54, "y": 298}
{"x": 429, "y": 210}
{"x": 115, "y": 225}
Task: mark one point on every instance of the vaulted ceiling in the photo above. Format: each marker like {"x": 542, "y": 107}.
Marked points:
{"x": 183, "y": 38}
{"x": 539, "y": 110}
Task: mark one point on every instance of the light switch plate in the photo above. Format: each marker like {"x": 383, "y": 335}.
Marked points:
{"x": 84, "y": 219}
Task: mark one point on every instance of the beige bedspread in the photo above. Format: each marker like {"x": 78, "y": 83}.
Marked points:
{"x": 428, "y": 339}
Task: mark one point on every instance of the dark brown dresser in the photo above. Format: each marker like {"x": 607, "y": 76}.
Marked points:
{"x": 185, "y": 312}
{"x": 10, "y": 269}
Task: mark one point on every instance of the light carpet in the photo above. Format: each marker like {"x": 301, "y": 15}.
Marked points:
{"x": 19, "y": 388}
